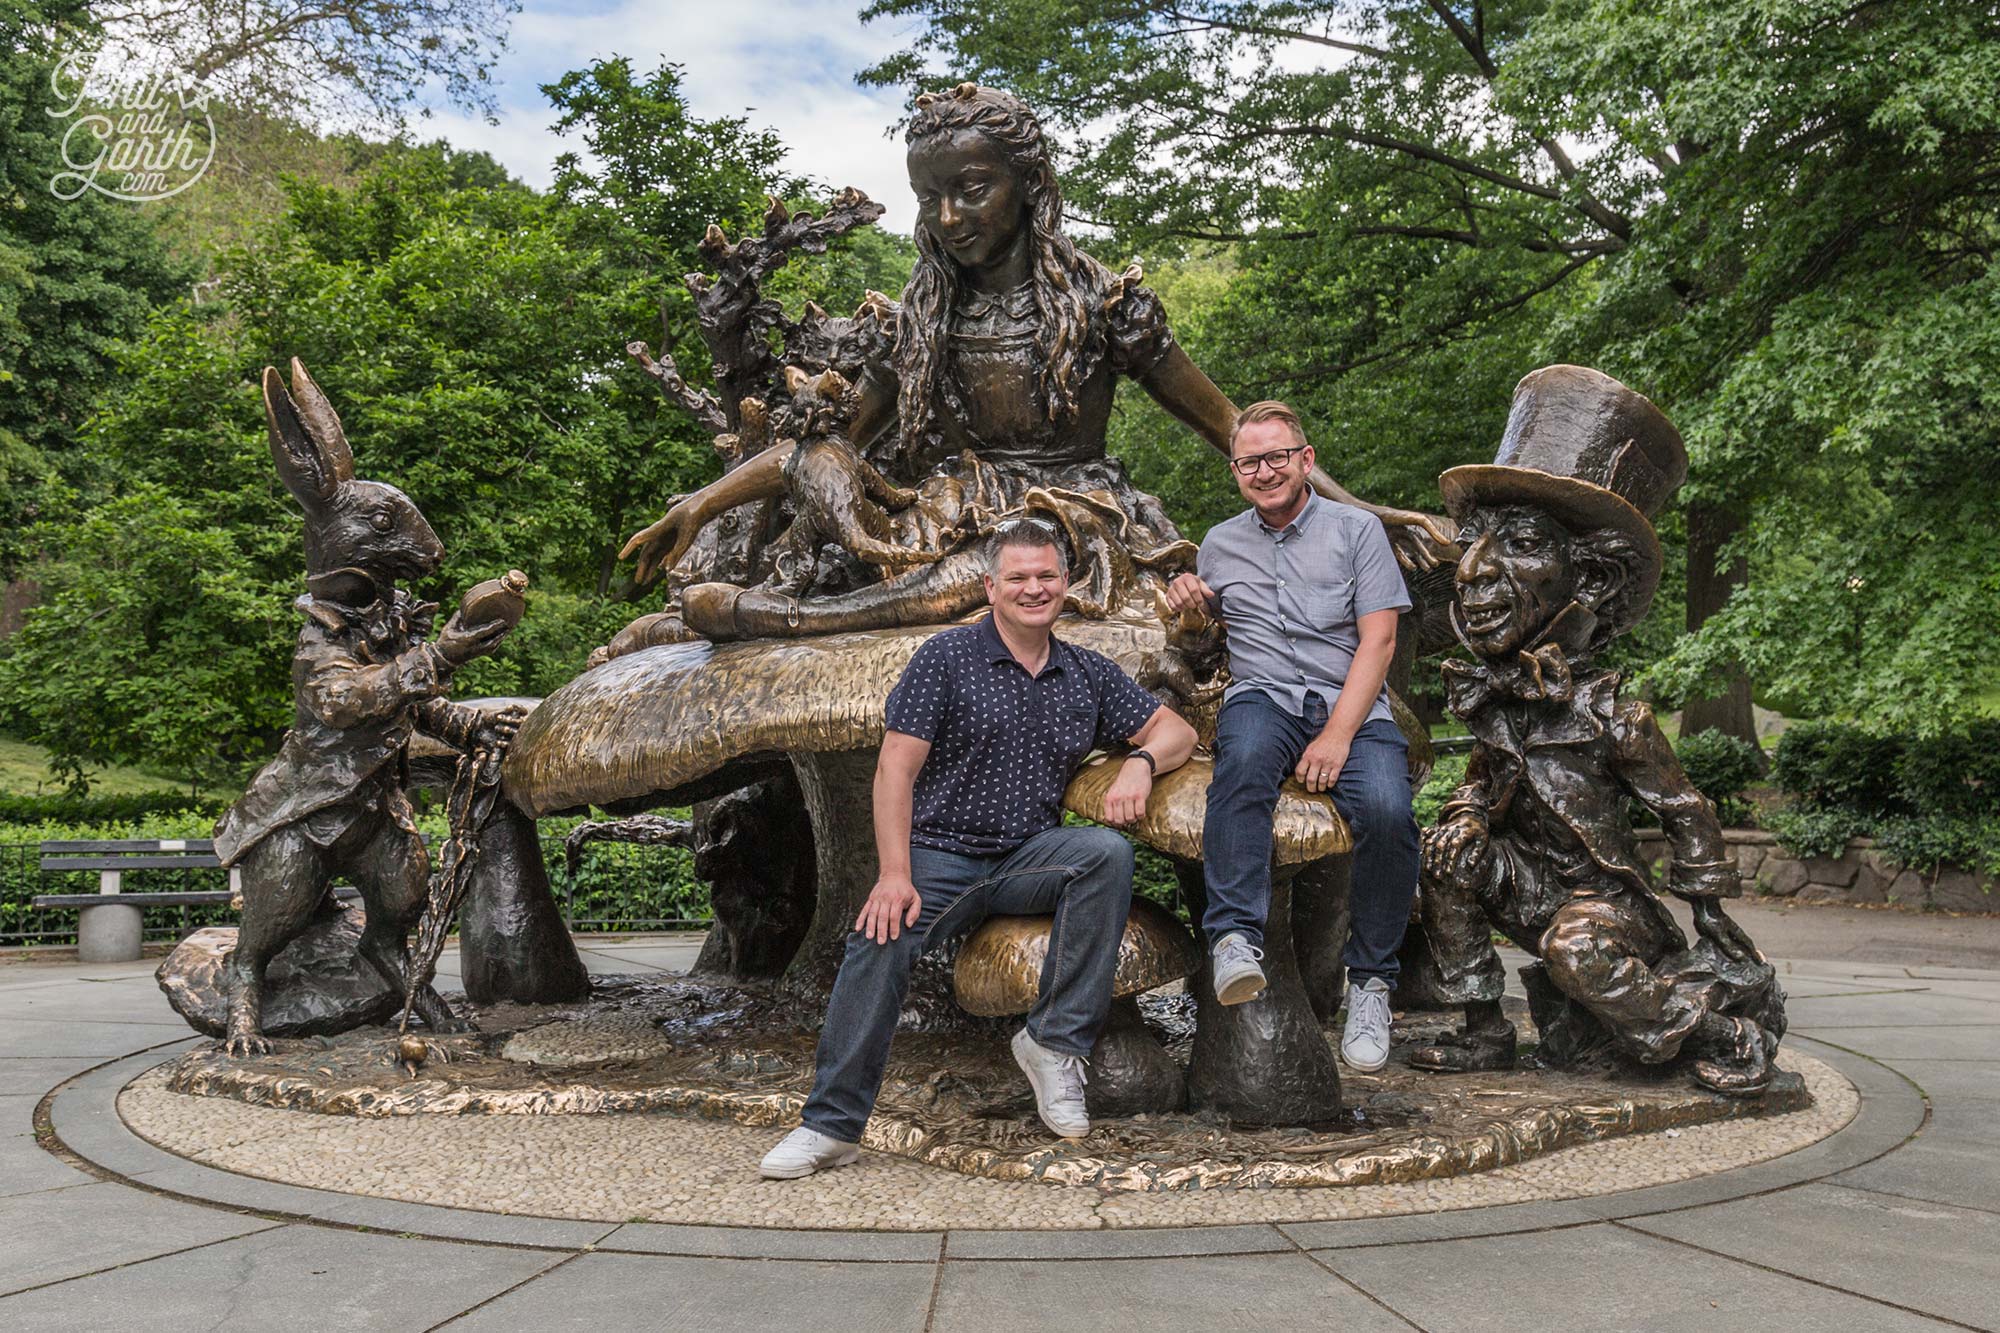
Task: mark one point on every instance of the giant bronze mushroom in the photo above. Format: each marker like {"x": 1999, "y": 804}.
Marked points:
{"x": 999, "y": 973}
{"x": 682, "y": 722}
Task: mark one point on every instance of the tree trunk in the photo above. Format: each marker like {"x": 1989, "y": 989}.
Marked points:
{"x": 1709, "y": 585}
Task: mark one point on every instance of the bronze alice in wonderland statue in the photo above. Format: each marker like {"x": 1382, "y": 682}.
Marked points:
{"x": 985, "y": 393}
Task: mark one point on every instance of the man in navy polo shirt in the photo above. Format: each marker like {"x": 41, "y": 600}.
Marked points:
{"x": 985, "y": 729}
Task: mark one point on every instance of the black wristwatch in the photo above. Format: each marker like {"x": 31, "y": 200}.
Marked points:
{"x": 1152, "y": 764}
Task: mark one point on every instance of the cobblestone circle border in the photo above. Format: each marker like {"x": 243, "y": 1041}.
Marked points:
{"x": 79, "y": 1120}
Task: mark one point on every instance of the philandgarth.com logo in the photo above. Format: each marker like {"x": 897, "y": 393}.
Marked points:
{"x": 134, "y": 133}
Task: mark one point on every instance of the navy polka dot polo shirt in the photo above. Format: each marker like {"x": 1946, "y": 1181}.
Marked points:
{"x": 1003, "y": 744}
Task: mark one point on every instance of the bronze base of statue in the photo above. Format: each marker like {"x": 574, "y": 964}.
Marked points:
{"x": 956, "y": 1100}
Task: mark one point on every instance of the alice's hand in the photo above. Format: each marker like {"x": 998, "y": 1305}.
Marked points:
{"x": 892, "y": 904}
{"x": 1319, "y": 767}
{"x": 1126, "y": 801}
{"x": 661, "y": 544}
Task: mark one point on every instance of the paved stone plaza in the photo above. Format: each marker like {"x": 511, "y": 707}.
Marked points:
{"x": 1891, "y": 1220}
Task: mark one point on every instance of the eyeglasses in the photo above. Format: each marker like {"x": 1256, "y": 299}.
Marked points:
{"x": 1277, "y": 458}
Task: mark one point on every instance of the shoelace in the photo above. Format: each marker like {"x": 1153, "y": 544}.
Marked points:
{"x": 1371, "y": 1007}
{"x": 1235, "y": 950}
{"x": 1070, "y": 1071}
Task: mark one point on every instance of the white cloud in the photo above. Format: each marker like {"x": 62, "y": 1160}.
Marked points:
{"x": 785, "y": 64}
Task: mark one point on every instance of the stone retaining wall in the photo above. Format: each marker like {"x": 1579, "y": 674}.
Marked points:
{"x": 1861, "y": 874}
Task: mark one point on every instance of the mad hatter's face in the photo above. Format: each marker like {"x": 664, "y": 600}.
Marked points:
{"x": 1516, "y": 576}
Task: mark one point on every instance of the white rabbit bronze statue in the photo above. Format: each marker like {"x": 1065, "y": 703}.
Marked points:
{"x": 364, "y": 677}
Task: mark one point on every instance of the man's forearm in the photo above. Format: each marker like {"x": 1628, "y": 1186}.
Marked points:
{"x": 1365, "y": 675}
{"x": 1168, "y": 738}
{"x": 894, "y": 797}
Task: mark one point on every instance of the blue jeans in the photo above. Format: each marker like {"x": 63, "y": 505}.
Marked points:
{"x": 1257, "y": 745}
{"x": 1083, "y": 875}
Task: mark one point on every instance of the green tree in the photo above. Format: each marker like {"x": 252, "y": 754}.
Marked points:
{"x": 471, "y": 334}
{"x": 76, "y": 277}
{"x": 1777, "y": 217}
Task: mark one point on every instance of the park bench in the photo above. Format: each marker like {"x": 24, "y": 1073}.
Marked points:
{"x": 109, "y": 924}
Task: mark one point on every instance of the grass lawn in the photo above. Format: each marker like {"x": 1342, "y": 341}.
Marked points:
{"x": 24, "y": 771}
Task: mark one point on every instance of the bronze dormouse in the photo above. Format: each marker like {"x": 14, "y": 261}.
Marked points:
{"x": 363, "y": 678}
{"x": 1560, "y": 558}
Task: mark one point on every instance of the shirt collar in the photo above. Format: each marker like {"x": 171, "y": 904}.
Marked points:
{"x": 995, "y": 649}
{"x": 1297, "y": 525}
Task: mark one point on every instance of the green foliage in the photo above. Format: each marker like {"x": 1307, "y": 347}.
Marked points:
{"x": 1810, "y": 832}
{"x": 1926, "y": 800}
{"x": 1447, "y": 775}
{"x": 20, "y": 812}
{"x": 471, "y": 334}
{"x": 1720, "y": 766}
{"x": 1779, "y": 220}
{"x": 76, "y": 277}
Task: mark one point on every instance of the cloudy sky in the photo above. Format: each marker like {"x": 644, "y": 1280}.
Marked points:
{"x": 785, "y": 64}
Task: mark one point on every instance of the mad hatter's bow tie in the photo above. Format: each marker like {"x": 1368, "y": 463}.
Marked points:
{"x": 1540, "y": 676}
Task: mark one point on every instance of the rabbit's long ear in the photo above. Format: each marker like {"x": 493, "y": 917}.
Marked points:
{"x": 301, "y": 465}
{"x": 322, "y": 423}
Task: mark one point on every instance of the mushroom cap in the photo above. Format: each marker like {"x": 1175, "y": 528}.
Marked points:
{"x": 1307, "y": 826}
{"x": 636, "y": 730}
{"x": 999, "y": 968}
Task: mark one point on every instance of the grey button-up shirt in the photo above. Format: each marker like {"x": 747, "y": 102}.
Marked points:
{"x": 1291, "y": 598}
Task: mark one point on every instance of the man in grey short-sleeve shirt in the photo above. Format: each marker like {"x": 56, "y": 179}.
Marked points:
{"x": 1310, "y": 594}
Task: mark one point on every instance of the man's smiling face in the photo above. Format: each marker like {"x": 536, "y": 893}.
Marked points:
{"x": 1028, "y": 588}
{"x": 1276, "y": 486}
{"x": 1515, "y": 577}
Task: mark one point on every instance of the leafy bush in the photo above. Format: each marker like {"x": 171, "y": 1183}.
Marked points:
{"x": 1816, "y": 832}
{"x": 23, "y": 810}
{"x": 1721, "y": 766}
{"x": 1828, "y": 764}
{"x": 1446, "y": 775}
{"x": 1927, "y": 801}
{"x": 618, "y": 886}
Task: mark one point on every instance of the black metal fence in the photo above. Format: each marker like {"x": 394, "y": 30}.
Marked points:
{"x": 618, "y": 887}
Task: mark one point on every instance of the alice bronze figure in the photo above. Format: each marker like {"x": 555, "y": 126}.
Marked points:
{"x": 1560, "y": 558}
{"x": 365, "y": 676}
{"x": 985, "y": 393}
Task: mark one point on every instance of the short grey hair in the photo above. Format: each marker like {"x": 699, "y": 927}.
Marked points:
{"x": 1022, "y": 530}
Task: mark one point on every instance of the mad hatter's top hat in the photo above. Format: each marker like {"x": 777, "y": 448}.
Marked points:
{"x": 1590, "y": 451}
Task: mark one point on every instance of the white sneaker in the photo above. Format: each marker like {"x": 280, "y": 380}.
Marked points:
{"x": 1058, "y": 1083}
{"x": 1364, "y": 1042}
{"x": 1238, "y": 979}
{"x": 804, "y": 1151}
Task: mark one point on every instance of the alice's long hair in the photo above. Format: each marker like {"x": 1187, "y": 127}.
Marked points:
{"x": 1067, "y": 283}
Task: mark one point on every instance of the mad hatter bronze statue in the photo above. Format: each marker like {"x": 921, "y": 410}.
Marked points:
{"x": 1560, "y": 558}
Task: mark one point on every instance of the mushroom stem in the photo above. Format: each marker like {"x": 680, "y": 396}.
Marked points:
{"x": 513, "y": 943}
{"x": 1320, "y": 918}
{"x": 1130, "y": 1072}
{"x": 1265, "y": 1062}
{"x": 839, "y": 790}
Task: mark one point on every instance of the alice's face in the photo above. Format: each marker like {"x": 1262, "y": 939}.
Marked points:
{"x": 1515, "y": 577}
{"x": 968, "y": 197}
{"x": 1027, "y": 590}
